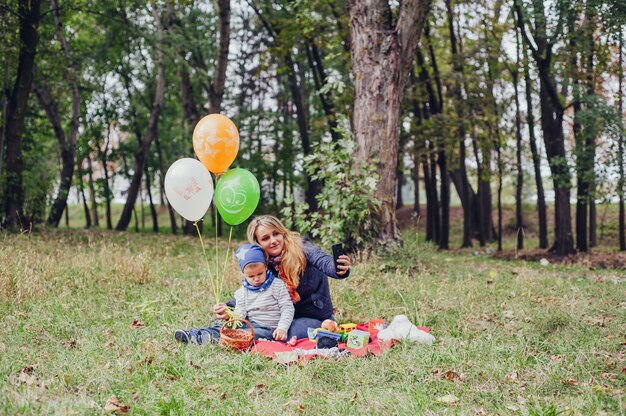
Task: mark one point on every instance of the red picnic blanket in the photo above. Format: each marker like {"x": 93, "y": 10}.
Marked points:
{"x": 270, "y": 348}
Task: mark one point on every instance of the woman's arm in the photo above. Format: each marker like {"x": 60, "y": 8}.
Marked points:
{"x": 324, "y": 262}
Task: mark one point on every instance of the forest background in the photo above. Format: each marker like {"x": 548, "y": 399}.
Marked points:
{"x": 513, "y": 105}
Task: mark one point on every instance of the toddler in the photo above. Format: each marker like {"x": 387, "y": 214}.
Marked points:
{"x": 263, "y": 300}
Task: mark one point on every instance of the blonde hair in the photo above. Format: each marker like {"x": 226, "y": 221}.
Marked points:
{"x": 294, "y": 259}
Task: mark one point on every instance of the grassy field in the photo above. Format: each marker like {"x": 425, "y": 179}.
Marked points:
{"x": 87, "y": 315}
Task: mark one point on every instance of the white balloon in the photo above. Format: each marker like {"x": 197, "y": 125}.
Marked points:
{"x": 189, "y": 188}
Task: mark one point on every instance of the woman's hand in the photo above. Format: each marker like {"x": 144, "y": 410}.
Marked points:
{"x": 220, "y": 311}
{"x": 279, "y": 334}
{"x": 343, "y": 264}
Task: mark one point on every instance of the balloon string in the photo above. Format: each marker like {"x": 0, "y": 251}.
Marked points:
{"x": 230, "y": 237}
{"x": 213, "y": 284}
{"x": 217, "y": 262}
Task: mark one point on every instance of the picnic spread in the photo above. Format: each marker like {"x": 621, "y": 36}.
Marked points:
{"x": 342, "y": 340}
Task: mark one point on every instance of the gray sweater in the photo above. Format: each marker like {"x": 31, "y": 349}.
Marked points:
{"x": 271, "y": 307}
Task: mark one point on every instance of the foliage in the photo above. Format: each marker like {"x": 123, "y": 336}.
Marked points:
{"x": 347, "y": 203}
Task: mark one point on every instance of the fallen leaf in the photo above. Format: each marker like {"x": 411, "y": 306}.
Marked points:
{"x": 256, "y": 390}
{"x": 301, "y": 408}
{"x": 511, "y": 377}
{"x": 448, "y": 399}
{"x": 353, "y": 400}
{"x": 137, "y": 324}
{"x": 451, "y": 375}
{"x": 113, "y": 405}
{"x": 26, "y": 378}
{"x": 136, "y": 397}
{"x": 611, "y": 376}
{"x": 480, "y": 411}
{"x": 28, "y": 369}
{"x": 508, "y": 314}
{"x": 571, "y": 381}
{"x": 196, "y": 366}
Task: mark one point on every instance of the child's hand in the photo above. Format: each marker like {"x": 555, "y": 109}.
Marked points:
{"x": 279, "y": 334}
{"x": 220, "y": 311}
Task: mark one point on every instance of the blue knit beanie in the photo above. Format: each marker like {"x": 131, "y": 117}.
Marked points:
{"x": 249, "y": 253}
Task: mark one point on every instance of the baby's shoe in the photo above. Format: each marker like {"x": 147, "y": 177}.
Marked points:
{"x": 182, "y": 336}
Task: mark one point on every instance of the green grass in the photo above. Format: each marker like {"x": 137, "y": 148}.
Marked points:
{"x": 512, "y": 338}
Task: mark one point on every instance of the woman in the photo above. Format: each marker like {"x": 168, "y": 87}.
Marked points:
{"x": 304, "y": 268}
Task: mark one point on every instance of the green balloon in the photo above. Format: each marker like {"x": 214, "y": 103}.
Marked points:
{"x": 237, "y": 195}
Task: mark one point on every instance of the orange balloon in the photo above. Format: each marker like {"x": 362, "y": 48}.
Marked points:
{"x": 216, "y": 142}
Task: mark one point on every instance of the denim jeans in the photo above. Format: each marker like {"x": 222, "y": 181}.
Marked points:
{"x": 212, "y": 333}
{"x": 300, "y": 325}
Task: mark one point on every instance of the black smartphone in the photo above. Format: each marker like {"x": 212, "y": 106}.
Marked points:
{"x": 337, "y": 251}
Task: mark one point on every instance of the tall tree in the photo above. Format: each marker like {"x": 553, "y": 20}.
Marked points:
{"x": 620, "y": 158}
{"x": 51, "y": 107}
{"x": 530, "y": 120}
{"x": 552, "y": 111}
{"x": 142, "y": 153}
{"x": 29, "y": 17}
{"x": 459, "y": 173}
{"x": 381, "y": 53}
{"x": 519, "y": 216}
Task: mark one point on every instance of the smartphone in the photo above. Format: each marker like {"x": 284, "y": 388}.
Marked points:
{"x": 337, "y": 251}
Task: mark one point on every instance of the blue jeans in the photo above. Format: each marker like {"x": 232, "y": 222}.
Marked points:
{"x": 212, "y": 333}
{"x": 300, "y": 325}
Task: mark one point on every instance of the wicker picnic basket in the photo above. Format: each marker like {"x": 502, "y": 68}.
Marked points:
{"x": 237, "y": 334}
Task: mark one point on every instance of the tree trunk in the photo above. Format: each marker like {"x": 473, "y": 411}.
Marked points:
{"x": 415, "y": 173}
{"x": 400, "y": 171}
{"x": 142, "y": 153}
{"x": 67, "y": 216}
{"x": 170, "y": 210}
{"x": 320, "y": 79}
{"x": 499, "y": 161}
{"x": 107, "y": 188}
{"x": 81, "y": 187}
{"x": 541, "y": 199}
{"x": 459, "y": 174}
{"x": 620, "y": 146}
{"x": 433, "y": 212}
{"x": 381, "y": 55}
{"x": 3, "y": 111}
{"x": 68, "y": 149}
{"x": 444, "y": 236}
{"x": 29, "y": 17}
{"x": 217, "y": 86}
{"x": 92, "y": 194}
{"x": 193, "y": 115}
{"x": 519, "y": 216}
{"x": 153, "y": 212}
{"x": 552, "y": 126}
{"x": 479, "y": 200}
